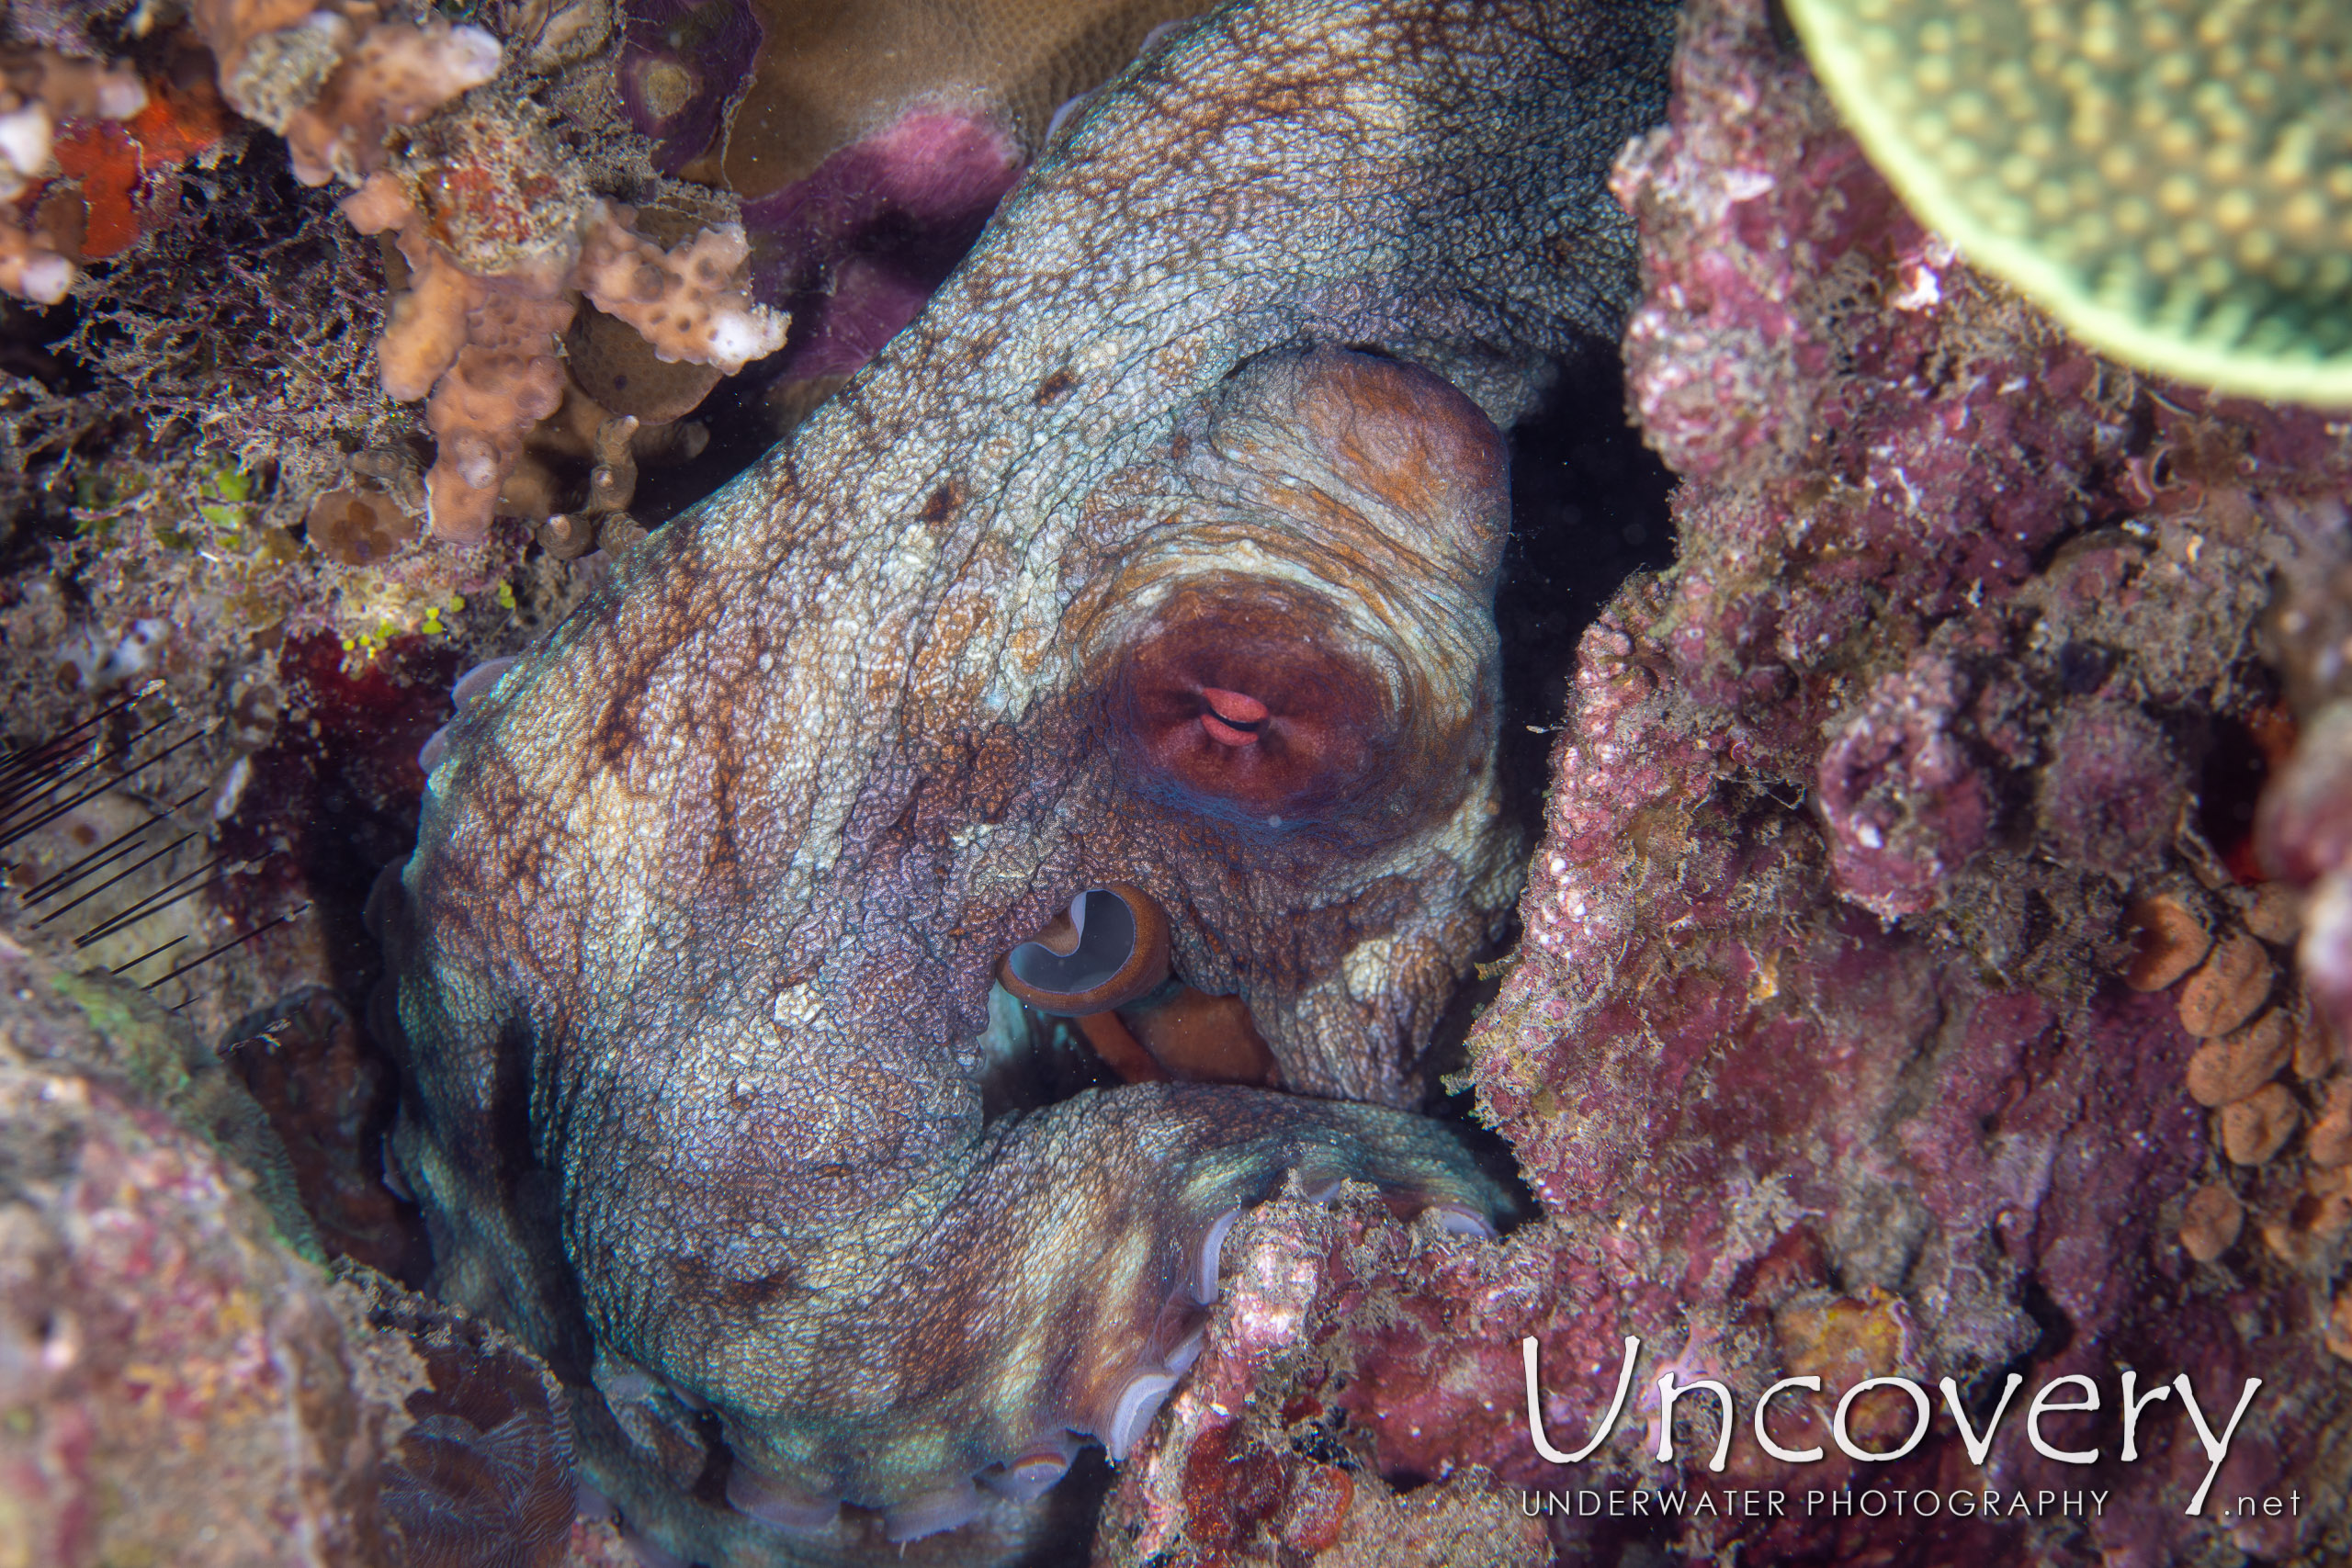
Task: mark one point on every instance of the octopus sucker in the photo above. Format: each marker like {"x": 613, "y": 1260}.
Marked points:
{"x": 697, "y": 959}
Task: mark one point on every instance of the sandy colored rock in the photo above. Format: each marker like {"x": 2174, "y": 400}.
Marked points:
{"x": 2234, "y": 1066}
{"x": 2226, "y": 990}
{"x": 2276, "y": 913}
{"x": 2255, "y": 1128}
{"x": 2325, "y": 1219}
{"x": 174, "y": 1386}
{"x": 2318, "y": 1052}
{"x": 2330, "y": 1145}
{"x": 2210, "y": 1222}
{"x": 2171, "y": 941}
{"x": 2339, "y": 1326}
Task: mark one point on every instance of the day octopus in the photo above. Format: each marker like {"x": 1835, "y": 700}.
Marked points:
{"x": 1121, "y": 638}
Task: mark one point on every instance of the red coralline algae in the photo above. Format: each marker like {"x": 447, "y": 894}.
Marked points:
{"x": 127, "y": 170}
{"x": 1905, "y": 803}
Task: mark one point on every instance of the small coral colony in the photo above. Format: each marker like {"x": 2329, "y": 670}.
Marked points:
{"x": 972, "y": 782}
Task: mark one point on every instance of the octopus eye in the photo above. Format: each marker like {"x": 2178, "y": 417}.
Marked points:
{"x": 1246, "y": 700}
{"x": 1306, "y": 645}
{"x": 1108, "y": 947}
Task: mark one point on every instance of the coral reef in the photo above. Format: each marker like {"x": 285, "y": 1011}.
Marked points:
{"x": 356, "y": 96}
{"x": 478, "y": 1469}
{"x": 681, "y": 64}
{"x": 498, "y": 236}
{"x": 869, "y": 143}
{"x": 2172, "y": 181}
{"x": 121, "y": 178}
{"x": 333, "y": 83}
{"x": 846, "y": 71}
{"x": 1233, "y": 1475}
{"x": 166, "y": 467}
{"x": 1936, "y": 961}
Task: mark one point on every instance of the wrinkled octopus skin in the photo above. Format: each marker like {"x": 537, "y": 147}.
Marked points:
{"x": 1158, "y": 552}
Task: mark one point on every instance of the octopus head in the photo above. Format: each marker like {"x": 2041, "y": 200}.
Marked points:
{"x": 1308, "y": 647}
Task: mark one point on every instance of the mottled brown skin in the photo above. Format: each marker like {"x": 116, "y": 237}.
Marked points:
{"x": 696, "y": 953}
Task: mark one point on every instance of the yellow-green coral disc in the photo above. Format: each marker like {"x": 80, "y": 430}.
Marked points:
{"x": 2172, "y": 179}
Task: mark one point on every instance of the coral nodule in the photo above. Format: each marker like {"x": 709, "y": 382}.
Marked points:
{"x": 2172, "y": 181}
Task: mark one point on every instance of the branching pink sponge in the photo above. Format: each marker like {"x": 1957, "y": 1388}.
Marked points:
{"x": 685, "y": 302}
{"x": 501, "y": 239}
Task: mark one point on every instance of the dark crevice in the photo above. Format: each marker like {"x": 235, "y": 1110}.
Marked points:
{"x": 1588, "y": 510}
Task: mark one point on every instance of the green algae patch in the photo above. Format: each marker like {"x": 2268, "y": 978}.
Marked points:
{"x": 2172, "y": 181}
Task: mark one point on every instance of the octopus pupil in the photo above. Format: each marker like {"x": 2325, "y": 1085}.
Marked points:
{"x": 1233, "y": 718}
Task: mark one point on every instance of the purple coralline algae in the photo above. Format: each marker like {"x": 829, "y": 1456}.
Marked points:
{"x": 680, "y": 63}
{"x": 855, "y": 250}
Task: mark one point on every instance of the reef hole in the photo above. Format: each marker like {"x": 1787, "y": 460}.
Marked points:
{"x": 1588, "y": 510}
{"x": 2242, "y": 753}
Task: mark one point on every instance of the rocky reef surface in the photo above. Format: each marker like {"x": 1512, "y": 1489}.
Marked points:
{"x": 1934, "y": 965}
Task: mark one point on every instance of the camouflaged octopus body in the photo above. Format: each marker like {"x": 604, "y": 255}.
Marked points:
{"x": 696, "y": 955}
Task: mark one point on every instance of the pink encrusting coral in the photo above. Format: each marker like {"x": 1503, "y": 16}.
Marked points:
{"x": 1897, "y": 867}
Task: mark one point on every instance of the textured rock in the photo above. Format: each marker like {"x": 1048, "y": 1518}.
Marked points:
{"x": 172, "y": 1374}
{"x": 180, "y": 1381}
{"x": 1232, "y": 1474}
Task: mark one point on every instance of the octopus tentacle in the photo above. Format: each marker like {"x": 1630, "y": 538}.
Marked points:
{"x": 1040, "y": 1282}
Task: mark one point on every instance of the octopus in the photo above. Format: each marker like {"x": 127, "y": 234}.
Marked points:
{"x": 1118, "y": 647}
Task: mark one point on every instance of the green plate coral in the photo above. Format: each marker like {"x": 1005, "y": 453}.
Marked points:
{"x": 2172, "y": 179}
